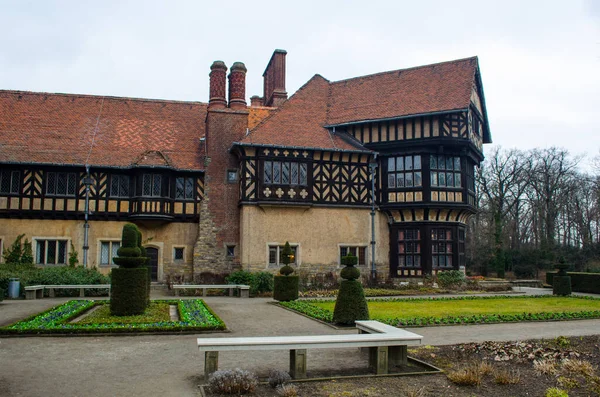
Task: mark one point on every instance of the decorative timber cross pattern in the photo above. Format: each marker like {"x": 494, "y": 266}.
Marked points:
{"x": 303, "y": 193}
{"x": 291, "y": 193}
{"x": 279, "y": 192}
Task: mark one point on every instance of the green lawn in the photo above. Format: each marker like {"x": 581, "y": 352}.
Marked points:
{"x": 156, "y": 312}
{"x": 408, "y": 308}
{"x": 462, "y": 310}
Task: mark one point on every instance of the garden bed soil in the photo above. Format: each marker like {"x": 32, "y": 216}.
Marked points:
{"x": 513, "y": 357}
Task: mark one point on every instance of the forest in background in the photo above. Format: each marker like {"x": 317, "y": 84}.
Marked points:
{"x": 535, "y": 207}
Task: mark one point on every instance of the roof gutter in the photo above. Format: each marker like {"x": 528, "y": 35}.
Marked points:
{"x": 125, "y": 167}
{"x": 243, "y": 144}
{"x": 397, "y": 117}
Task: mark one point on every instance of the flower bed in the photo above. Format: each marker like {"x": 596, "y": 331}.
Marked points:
{"x": 194, "y": 316}
{"x": 545, "y": 310}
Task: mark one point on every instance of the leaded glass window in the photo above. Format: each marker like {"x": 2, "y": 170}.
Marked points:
{"x": 441, "y": 247}
{"x": 61, "y": 183}
{"x": 9, "y": 182}
{"x": 445, "y": 171}
{"x": 184, "y": 188}
{"x": 119, "y": 186}
{"x": 152, "y": 185}
{"x": 285, "y": 173}
{"x": 409, "y": 248}
{"x": 51, "y": 252}
{"x": 108, "y": 250}
{"x": 359, "y": 252}
{"x": 404, "y": 172}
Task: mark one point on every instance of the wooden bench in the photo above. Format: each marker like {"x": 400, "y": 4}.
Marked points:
{"x": 387, "y": 347}
{"x": 244, "y": 290}
{"x": 37, "y": 291}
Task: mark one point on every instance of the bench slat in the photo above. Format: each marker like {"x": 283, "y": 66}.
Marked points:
{"x": 307, "y": 342}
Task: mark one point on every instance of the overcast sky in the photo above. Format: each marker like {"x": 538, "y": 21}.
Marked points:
{"x": 539, "y": 60}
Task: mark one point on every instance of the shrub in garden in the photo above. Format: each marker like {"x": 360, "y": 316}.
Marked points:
{"x": 580, "y": 282}
{"x": 561, "y": 284}
{"x": 450, "y": 279}
{"x": 234, "y": 381}
{"x": 285, "y": 285}
{"x": 555, "y": 392}
{"x": 129, "y": 290}
{"x": 278, "y": 377}
{"x": 240, "y": 277}
{"x": 19, "y": 252}
{"x": 350, "y": 304}
{"x": 262, "y": 283}
{"x": 288, "y": 390}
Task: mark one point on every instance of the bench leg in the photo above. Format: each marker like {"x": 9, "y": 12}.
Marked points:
{"x": 203, "y": 292}
{"x": 176, "y": 291}
{"x": 51, "y": 293}
{"x": 211, "y": 363}
{"x": 230, "y": 291}
{"x": 39, "y": 294}
{"x": 398, "y": 355}
{"x": 244, "y": 293}
{"x": 378, "y": 359}
{"x": 30, "y": 294}
{"x": 81, "y": 292}
{"x": 298, "y": 364}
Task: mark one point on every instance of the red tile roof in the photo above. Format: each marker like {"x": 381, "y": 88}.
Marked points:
{"x": 424, "y": 89}
{"x": 301, "y": 121}
{"x": 61, "y": 129}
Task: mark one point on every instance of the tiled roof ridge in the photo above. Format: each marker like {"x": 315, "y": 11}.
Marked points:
{"x": 405, "y": 69}
{"x": 91, "y": 96}
{"x": 284, "y": 105}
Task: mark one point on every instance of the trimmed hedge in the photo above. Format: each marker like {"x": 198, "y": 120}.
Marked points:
{"x": 580, "y": 281}
{"x": 285, "y": 288}
{"x": 350, "y": 304}
{"x": 128, "y": 291}
{"x": 1, "y": 294}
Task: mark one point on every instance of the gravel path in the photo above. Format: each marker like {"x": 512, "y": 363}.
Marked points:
{"x": 171, "y": 365}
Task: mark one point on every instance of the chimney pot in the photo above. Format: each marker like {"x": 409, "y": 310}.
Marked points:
{"x": 274, "y": 80}
{"x": 255, "y": 101}
{"x": 218, "y": 79}
{"x": 237, "y": 86}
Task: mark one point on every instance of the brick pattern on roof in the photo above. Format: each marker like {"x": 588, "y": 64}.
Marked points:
{"x": 258, "y": 114}
{"x": 299, "y": 121}
{"x": 424, "y": 89}
{"x": 59, "y": 129}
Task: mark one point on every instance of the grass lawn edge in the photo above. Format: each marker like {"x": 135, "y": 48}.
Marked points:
{"x": 305, "y": 308}
{"x": 190, "y": 313}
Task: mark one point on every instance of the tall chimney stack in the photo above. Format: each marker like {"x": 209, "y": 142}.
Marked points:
{"x": 237, "y": 86}
{"x": 274, "y": 80}
{"x": 218, "y": 79}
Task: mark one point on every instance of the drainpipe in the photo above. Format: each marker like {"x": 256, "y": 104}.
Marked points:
{"x": 372, "y": 168}
{"x": 86, "y": 226}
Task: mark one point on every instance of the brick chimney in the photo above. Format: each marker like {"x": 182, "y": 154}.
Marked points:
{"x": 218, "y": 79}
{"x": 255, "y": 101}
{"x": 274, "y": 80}
{"x": 237, "y": 86}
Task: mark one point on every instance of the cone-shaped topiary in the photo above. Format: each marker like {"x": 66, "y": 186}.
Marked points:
{"x": 350, "y": 304}
{"x": 285, "y": 286}
{"x": 129, "y": 283}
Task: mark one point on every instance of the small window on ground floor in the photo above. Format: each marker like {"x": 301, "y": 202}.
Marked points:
{"x": 441, "y": 248}
{"x": 178, "y": 254}
{"x": 409, "y": 248}
{"x": 275, "y": 252}
{"x": 230, "y": 251}
{"x": 51, "y": 252}
{"x": 358, "y": 251}
{"x": 108, "y": 250}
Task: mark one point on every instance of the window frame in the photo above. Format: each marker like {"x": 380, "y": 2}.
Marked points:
{"x": 401, "y": 169}
{"x": 295, "y": 248}
{"x": 416, "y": 248}
{"x": 111, "y": 250}
{"x": 11, "y": 181}
{"x": 57, "y": 175}
{"x": 35, "y": 243}
{"x": 174, "y": 252}
{"x": 273, "y": 173}
{"x": 119, "y": 178}
{"x": 229, "y": 172}
{"x": 230, "y": 254}
{"x": 435, "y": 171}
{"x": 153, "y": 177}
{"x": 355, "y": 247}
{"x": 448, "y": 247}
{"x": 185, "y": 179}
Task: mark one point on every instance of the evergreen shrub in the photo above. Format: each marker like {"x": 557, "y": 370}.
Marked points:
{"x": 285, "y": 288}
{"x": 350, "y": 304}
{"x": 262, "y": 283}
{"x": 128, "y": 291}
{"x": 450, "y": 278}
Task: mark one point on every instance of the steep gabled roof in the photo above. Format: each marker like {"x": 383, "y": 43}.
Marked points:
{"x": 102, "y": 131}
{"x": 309, "y": 116}
{"x": 299, "y": 122}
{"x": 425, "y": 89}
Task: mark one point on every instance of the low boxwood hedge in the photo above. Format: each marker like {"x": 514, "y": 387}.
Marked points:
{"x": 580, "y": 281}
{"x": 194, "y": 316}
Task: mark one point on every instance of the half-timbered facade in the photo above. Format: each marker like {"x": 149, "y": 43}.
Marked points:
{"x": 382, "y": 163}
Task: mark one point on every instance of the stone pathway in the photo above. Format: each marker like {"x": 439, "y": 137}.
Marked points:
{"x": 171, "y": 365}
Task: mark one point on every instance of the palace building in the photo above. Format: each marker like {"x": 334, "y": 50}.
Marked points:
{"x": 380, "y": 165}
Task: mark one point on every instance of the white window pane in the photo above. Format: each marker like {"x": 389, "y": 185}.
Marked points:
{"x": 104, "y": 253}
{"x": 391, "y": 164}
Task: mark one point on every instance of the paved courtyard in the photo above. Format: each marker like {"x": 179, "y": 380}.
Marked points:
{"x": 171, "y": 365}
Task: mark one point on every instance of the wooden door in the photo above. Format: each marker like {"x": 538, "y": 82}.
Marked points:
{"x": 153, "y": 255}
